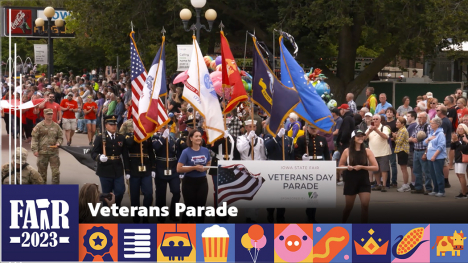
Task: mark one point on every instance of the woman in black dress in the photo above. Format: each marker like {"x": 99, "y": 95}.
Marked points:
{"x": 359, "y": 161}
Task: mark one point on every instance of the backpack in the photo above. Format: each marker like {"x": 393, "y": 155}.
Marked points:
{"x": 299, "y": 133}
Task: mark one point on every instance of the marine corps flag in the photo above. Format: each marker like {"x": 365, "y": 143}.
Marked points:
{"x": 200, "y": 93}
{"x": 231, "y": 77}
{"x": 270, "y": 94}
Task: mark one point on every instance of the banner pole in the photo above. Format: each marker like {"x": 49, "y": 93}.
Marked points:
{"x": 167, "y": 139}
{"x": 9, "y": 91}
{"x": 21, "y": 128}
{"x": 14, "y": 115}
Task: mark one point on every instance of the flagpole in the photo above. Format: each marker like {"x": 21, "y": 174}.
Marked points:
{"x": 167, "y": 139}
{"x": 226, "y": 155}
{"x": 21, "y": 128}
{"x": 252, "y": 123}
{"x": 282, "y": 137}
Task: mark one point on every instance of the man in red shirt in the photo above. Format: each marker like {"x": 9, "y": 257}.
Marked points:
{"x": 69, "y": 107}
{"x": 51, "y": 104}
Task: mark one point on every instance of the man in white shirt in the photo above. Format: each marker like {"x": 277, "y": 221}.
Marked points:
{"x": 244, "y": 143}
{"x": 378, "y": 143}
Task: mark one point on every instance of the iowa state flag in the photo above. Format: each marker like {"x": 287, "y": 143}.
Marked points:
{"x": 231, "y": 77}
{"x": 269, "y": 93}
{"x": 155, "y": 84}
{"x": 311, "y": 103}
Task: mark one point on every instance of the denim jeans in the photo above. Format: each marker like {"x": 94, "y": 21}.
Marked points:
{"x": 114, "y": 185}
{"x": 420, "y": 169}
{"x": 146, "y": 185}
{"x": 437, "y": 174}
{"x": 393, "y": 166}
{"x": 82, "y": 125}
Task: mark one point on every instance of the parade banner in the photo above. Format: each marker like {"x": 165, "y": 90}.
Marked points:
{"x": 263, "y": 184}
{"x": 184, "y": 56}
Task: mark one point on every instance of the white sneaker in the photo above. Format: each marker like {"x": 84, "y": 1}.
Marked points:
{"x": 404, "y": 188}
{"x": 432, "y": 193}
{"x": 340, "y": 183}
{"x": 440, "y": 195}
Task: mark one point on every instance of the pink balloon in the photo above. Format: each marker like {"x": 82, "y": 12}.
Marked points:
{"x": 181, "y": 77}
{"x": 217, "y": 79}
{"x": 260, "y": 243}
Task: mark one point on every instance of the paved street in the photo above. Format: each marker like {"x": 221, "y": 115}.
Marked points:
{"x": 390, "y": 207}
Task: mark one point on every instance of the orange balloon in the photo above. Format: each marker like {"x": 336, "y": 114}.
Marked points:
{"x": 255, "y": 232}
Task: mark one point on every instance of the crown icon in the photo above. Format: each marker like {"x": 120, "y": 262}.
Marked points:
{"x": 371, "y": 247}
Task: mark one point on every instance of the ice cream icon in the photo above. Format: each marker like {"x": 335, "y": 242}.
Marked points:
{"x": 215, "y": 244}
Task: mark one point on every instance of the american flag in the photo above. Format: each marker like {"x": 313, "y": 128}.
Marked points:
{"x": 138, "y": 80}
{"x": 235, "y": 183}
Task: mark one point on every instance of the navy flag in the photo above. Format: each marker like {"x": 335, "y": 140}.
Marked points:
{"x": 270, "y": 94}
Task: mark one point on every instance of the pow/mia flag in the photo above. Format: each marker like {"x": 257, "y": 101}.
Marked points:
{"x": 82, "y": 154}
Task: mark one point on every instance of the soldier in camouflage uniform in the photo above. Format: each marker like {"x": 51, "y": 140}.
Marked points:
{"x": 127, "y": 127}
{"x": 29, "y": 174}
{"x": 46, "y": 137}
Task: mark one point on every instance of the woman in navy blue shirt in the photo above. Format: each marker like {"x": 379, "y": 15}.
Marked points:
{"x": 194, "y": 183}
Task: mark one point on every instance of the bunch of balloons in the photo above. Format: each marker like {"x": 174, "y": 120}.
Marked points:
{"x": 255, "y": 239}
{"x": 247, "y": 81}
{"x": 207, "y": 60}
{"x": 217, "y": 79}
{"x": 318, "y": 81}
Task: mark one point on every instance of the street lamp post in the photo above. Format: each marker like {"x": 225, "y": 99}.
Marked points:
{"x": 49, "y": 12}
{"x": 186, "y": 14}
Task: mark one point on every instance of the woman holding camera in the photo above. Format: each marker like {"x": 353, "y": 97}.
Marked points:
{"x": 460, "y": 145}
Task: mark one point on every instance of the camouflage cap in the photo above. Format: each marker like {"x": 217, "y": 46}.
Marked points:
{"x": 48, "y": 111}
{"x": 20, "y": 152}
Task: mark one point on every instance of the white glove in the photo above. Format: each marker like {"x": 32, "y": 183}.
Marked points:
{"x": 305, "y": 157}
{"x": 281, "y": 133}
{"x": 251, "y": 135}
{"x": 127, "y": 176}
{"x": 153, "y": 174}
{"x": 166, "y": 133}
{"x": 181, "y": 176}
{"x": 103, "y": 158}
{"x": 226, "y": 134}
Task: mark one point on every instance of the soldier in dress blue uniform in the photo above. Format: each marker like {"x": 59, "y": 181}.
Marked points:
{"x": 318, "y": 150}
{"x": 163, "y": 178}
{"x": 140, "y": 173}
{"x": 110, "y": 168}
{"x": 274, "y": 151}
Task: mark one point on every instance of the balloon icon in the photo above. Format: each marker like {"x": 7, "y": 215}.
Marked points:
{"x": 260, "y": 243}
{"x": 246, "y": 241}
{"x": 255, "y": 232}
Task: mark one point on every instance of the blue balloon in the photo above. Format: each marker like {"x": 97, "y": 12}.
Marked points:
{"x": 322, "y": 87}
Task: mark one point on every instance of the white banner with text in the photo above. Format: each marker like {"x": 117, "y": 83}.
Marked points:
{"x": 277, "y": 184}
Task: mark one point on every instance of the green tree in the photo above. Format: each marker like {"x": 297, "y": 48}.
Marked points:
{"x": 390, "y": 28}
